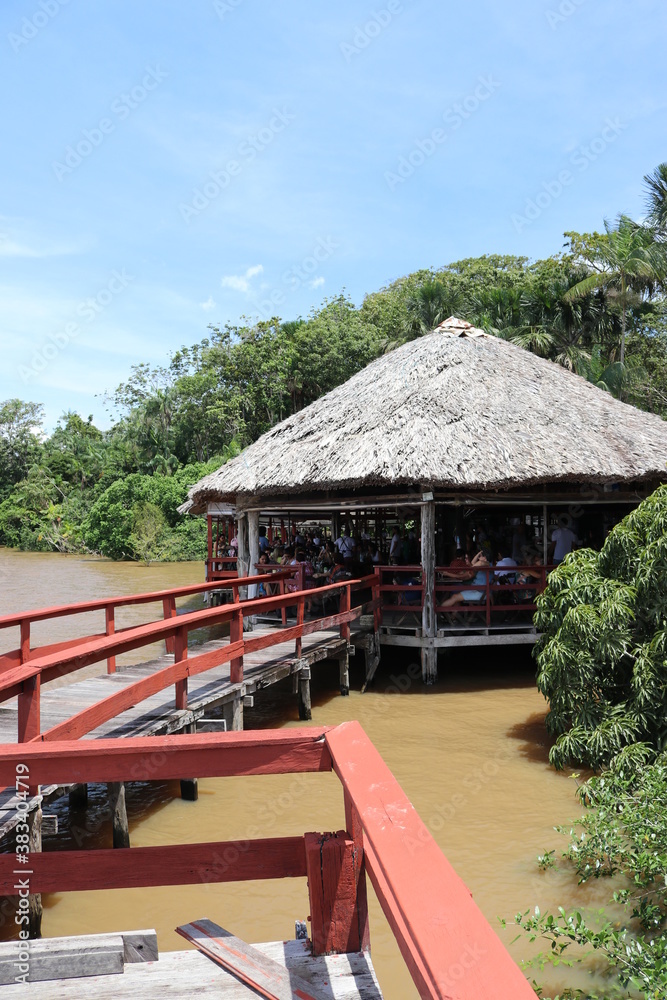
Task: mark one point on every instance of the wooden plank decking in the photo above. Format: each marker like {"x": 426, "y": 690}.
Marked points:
{"x": 180, "y": 975}
{"x": 157, "y": 714}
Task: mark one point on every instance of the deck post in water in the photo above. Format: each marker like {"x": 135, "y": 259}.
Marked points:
{"x": 78, "y": 796}
{"x": 35, "y": 898}
{"x": 121, "y": 830}
{"x": 344, "y": 669}
{"x": 305, "y": 708}
{"x": 429, "y": 652}
{"x": 189, "y": 786}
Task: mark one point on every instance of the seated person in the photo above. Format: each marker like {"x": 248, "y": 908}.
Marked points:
{"x": 529, "y": 575}
{"x": 480, "y": 578}
{"x": 459, "y": 568}
{"x": 502, "y": 575}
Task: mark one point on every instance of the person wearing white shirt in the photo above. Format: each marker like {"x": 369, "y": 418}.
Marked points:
{"x": 562, "y": 540}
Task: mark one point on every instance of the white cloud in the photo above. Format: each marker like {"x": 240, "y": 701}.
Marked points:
{"x": 241, "y": 282}
{"x": 209, "y": 304}
{"x": 317, "y": 282}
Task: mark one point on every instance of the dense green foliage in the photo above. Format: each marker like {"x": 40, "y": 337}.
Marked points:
{"x": 622, "y": 837}
{"x": 602, "y": 657}
{"x": 597, "y": 308}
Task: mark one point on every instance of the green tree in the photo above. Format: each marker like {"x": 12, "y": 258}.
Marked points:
{"x": 20, "y": 446}
{"x": 149, "y": 538}
{"x": 602, "y": 655}
{"x": 628, "y": 259}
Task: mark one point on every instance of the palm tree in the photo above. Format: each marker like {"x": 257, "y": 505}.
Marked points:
{"x": 656, "y": 184}
{"x": 427, "y": 307}
{"x": 629, "y": 261}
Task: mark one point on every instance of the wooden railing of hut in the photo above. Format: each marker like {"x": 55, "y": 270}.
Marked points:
{"x": 497, "y": 598}
{"x": 24, "y": 671}
{"x": 450, "y": 949}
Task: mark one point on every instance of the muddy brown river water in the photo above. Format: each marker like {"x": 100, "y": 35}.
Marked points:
{"x": 471, "y": 753}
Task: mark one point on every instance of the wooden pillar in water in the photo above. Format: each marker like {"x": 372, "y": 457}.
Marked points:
{"x": 429, "y": 652}
{"x": 78, "y": 796}
{"x": 253, "y": 548}
{"x": 305, "y": 705}
{"x": 189, "y": 786}
{"x": 121, "y": 830}
{"x": 34, "y": 899}
{"x": 344, "y": 668}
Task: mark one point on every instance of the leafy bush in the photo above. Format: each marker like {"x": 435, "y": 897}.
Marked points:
{"x": 602, "y": 658}
{"x": 621, "y": 837}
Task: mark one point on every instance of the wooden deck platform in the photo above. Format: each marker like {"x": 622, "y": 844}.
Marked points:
{"x": 180, "y": 975}
{"x": 156, "y": 715}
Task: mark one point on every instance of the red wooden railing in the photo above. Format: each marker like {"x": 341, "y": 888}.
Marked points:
{"x": 24, "y": 619}
{"x": 25, "y": 679}
{"x": 450, "y": 949}
{"x": 407, "y": 593}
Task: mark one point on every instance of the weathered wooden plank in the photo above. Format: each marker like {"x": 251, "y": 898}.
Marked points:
{"x": 446, "y": 942}
{"x": 227, "y": 861}
{"x": 262, "y": 974}
{"x": 63, "y": 958}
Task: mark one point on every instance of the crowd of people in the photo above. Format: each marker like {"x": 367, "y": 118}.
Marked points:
{"x": 506, "y": 555}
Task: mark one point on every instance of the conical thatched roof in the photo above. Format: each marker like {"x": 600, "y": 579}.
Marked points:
{"x": 456, "y": 409}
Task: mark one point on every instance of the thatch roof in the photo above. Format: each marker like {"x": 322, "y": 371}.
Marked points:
{"x": 456, "y": 409}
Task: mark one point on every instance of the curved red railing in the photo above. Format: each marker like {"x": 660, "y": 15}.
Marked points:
{"x": 450, "y": 949}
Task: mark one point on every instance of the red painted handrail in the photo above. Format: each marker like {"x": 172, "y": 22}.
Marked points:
{"x": 25, "y": 680}
{"x": 449, "y": 947}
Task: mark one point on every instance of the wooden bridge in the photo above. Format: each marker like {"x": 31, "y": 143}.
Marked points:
{"x": 140, "y": 723}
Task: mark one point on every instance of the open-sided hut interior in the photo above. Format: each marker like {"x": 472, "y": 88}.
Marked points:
{"x": 458, "y": 431}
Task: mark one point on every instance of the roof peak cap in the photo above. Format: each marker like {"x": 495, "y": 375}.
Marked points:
{"x": 454, "y": 327}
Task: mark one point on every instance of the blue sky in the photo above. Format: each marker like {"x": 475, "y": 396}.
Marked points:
{"x": 170, "y": 164}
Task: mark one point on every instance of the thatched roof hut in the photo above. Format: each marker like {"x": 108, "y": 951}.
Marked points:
{"x": 457, "y": 410}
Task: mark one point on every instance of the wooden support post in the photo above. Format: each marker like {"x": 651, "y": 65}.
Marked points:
{"x": 233, "y": 715}
{"x": 35, "y": 899}
{"x": 209, "y": 547}
{"x": 345, "y": 606}
{"x": 253, "y": 548}
{"x": 300, "y": 612}
{"x": 488, "y": 597}
{"x": 281, "y": 591}
{"x": 429, "y": 652}
{"x": 189, "y": 786}
{"x": 344, "y": 670}
{"x": 78, "y": 796}
{"x": 180, "y": 654}
{"x": 236, "y": 635}
{"x": 169, "y": 611}
{"x": 121, "y": 831}
{"x": 377, "y": 596}
{"x": 109, "y": 629}
{"x": 25, "y": 641}
{"x": 545, "y": 534}
{"x": 243, "y": 556}
{"x": 356, "y": 834}
{"x": 305, "y": 706}
{"x": 335, "y": 871}
{"x": 29, "y": 716}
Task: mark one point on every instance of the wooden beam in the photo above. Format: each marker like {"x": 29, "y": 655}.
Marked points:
{"x": 159, "y": 758}
{"x": 170, "y": 864}
{"x": 265, "y": 977}
{"x": 447, "y": 943}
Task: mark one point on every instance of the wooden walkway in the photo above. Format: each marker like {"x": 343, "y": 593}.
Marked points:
{"x": 156, "y": 715}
